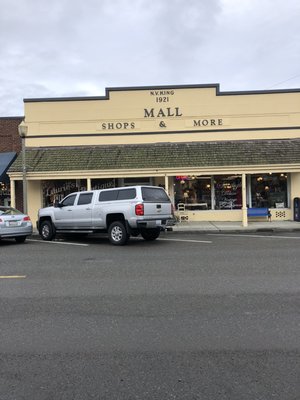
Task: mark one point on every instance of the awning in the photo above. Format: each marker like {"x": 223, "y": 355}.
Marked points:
{"x": 221, "y": 154}
{"x": 6, "y": 159}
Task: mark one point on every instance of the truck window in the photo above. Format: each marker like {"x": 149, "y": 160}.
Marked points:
{"x": 126, "y": 194}
{"x": 155, "y": 194}
{"x": 108, "y": 195}
{"x": 85, "y": 198}
{"x": 69, "y": 201}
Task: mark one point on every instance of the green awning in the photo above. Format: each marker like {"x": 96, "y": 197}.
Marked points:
{"x": 161, "y": 156}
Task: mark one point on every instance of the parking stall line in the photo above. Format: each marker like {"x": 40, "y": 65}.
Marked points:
{"x": 55, "y": 242}
{"x": 187, "y": 240}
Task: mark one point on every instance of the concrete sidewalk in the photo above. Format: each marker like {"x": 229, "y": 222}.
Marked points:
{"x": 274, "y": 226}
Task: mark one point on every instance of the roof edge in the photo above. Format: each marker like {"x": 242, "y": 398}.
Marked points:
{"x": 215, "y": 86}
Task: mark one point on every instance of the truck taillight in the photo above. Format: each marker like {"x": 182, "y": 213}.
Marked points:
{"x": 172, "y": 209}
{"x": 139, "y": 209}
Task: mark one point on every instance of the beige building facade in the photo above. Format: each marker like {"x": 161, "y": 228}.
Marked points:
{"x": 216, "y": 153}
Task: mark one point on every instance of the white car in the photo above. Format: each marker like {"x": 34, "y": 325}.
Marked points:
{"x": 14, "y": 224}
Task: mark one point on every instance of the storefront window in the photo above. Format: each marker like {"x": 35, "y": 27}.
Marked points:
{"x": 103, "y": 183}
{"x": 58, "y": 189}
{"x": 269, "y": 190}
{"x": 137, "y": 181}
{"x": 4, "y": 194}
{"x": 193, "y": 191}
{"x": 228, "y": 192}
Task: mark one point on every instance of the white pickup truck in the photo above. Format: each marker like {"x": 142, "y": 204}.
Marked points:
{"x": 120, "y": 212}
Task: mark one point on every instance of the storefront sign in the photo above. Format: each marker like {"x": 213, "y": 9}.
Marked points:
{"x": 118, "y": 126}
{"x": 162, "y": 112}
{"x": 152, "y": 113}
{"x": 162, "y": 96}
{"x": 102, "y": 184}
{"x": 208, "y": 122}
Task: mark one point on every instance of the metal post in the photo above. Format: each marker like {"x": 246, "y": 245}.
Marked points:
{"x": 23, "y": 132}
{"x": 24, "y": 176}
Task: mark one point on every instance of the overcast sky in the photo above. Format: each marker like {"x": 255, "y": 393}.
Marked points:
{"x": 67, "y": 48}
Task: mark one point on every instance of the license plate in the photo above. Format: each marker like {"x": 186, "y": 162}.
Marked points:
{"x": 13, "y": 223}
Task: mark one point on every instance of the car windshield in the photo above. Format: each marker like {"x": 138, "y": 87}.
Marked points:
{"x": 9, "y": 211}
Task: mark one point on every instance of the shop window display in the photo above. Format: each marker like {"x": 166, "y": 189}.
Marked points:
{"x": 193, "y": 191}
{"x": 269, "y": 190}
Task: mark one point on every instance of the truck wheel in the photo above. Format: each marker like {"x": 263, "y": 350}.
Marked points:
{"x": 150, "y": 234}
{"x": 47, "y": 230}
{"x": 117, "y": 233}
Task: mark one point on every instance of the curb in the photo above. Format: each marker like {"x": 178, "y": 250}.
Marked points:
{"x": 248, "y": 230}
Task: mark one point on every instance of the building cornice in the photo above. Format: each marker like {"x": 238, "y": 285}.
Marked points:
{"x": 215, "y": 86}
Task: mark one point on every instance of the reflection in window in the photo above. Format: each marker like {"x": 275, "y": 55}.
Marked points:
{"x": 228, "y": 192}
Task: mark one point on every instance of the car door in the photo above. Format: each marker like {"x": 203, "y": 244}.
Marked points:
{"x": 64, "y": 213}
{"x": 82, "y": 211}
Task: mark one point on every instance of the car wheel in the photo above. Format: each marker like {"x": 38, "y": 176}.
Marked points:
{"x": 150, "y": 234}
{"x": 118, "y": 234}
{"x": 20, "y": 239}
{"x": 47, "y": 230}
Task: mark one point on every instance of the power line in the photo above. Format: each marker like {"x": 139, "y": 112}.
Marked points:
{"x": 279, "y": 83}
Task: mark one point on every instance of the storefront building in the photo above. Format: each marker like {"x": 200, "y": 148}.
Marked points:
{"x": 10, "y": 146}
{"x": 216, "y": 153}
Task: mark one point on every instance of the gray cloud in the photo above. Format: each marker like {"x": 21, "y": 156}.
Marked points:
{"x": 76, "y": 48}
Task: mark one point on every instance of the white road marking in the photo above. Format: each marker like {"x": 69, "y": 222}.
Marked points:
{"x": 187, "y": 240}
{"x": 256, "y": 236}
{"x": 12, "y": 276}
{"x": 55, "y": 242}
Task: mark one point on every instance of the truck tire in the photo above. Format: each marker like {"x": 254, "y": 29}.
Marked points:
{"x": 47, "y": 230}
{"x": 117, "y": 233}
{"x": 150, "y": 234}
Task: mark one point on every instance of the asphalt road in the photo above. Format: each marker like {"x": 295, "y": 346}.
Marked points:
{"x": 189, "y": 316}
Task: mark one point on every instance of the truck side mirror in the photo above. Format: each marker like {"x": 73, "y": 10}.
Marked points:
{"x": 56, "y": 203}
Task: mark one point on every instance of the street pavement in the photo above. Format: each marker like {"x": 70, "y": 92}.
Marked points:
{"x": 232, "y": 226}
{"x": 191, "y": 316}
